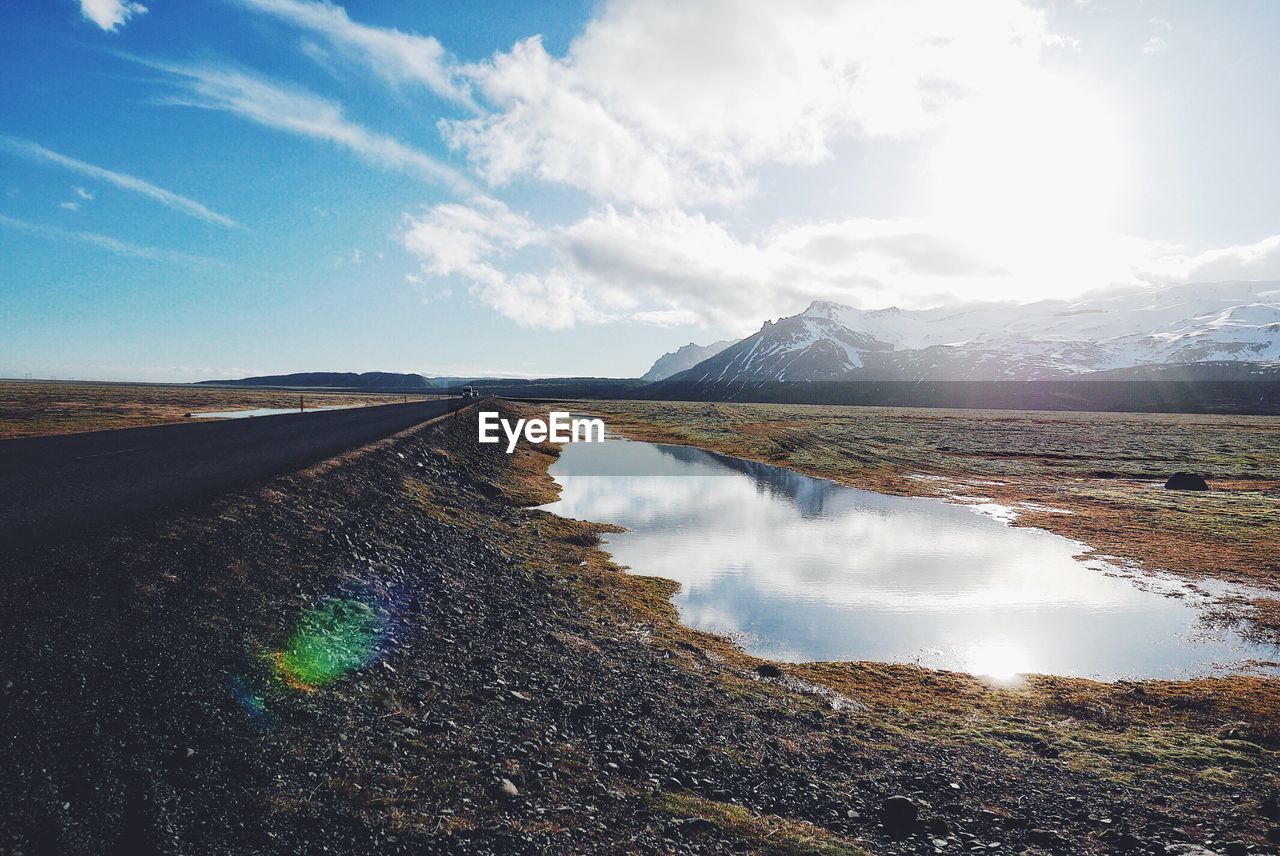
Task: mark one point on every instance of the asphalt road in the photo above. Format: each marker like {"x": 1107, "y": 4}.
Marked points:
{"x": 52, "y": 487}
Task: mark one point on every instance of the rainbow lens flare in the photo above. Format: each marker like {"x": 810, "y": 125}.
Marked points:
{"x": 250, "y": 702}
{"x": 333, "y": 638}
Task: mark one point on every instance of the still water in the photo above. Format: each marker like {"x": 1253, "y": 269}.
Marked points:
{"x": 796, "y": 568}
{"x": 263, "y": 411}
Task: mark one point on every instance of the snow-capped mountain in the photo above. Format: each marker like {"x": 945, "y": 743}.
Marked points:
{"x": 684, "y": 358}
{"x": 1170, "y": 325}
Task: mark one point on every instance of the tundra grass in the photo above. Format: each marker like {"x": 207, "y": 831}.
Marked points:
{"x": 772, "y": 834}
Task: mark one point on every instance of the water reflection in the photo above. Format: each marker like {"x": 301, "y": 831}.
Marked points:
{"x": 798, "y": 568}
{"x": 264, "y": 411}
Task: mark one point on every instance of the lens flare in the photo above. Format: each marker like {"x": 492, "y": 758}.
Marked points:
{"x": 333, "y": 638}
{"x": 250, "y": 702}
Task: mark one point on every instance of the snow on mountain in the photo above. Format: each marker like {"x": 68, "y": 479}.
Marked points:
{"x": 683, "y": 358}
{"x": 1179, "y": 324}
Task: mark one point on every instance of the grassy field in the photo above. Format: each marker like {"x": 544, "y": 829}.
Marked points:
{"x": 1095, "y": 477}
{"x": 35, "y": 408}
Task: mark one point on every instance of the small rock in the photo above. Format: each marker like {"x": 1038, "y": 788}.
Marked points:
{"x": 585, "y": 710}
{"x": 1044, "y": 837}
{"x": 898, "y": 814}
{"x": 768, "y": 670}
{"x": 1045, "y": 750}
{"x": 699, "y": 825}
{"x": 508, "y": 789}
{"x": 1186, "y": 481}
{"x": 1127, "y": 841}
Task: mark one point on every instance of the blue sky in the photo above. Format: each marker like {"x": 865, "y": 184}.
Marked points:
{"x": 210, "y": 189}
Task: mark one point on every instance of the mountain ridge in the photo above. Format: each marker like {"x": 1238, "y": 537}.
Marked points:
{"x": 685, "y": 357}
{"x": 1197, "y": 323}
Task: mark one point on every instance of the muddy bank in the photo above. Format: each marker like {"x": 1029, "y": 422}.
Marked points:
{"x": 392, "y": 654}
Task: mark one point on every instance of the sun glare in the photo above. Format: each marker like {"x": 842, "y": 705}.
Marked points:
{"x": 1043, "y": 155}
{"x": 999, "y": 660}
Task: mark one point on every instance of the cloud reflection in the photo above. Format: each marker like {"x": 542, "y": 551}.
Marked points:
{"x": 805, "y": 569}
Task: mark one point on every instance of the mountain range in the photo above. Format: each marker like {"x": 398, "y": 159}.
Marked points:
{"x": 1214, "y": 332}
{"x": 1114, "y": 335}
{"x": 683, "y": 358}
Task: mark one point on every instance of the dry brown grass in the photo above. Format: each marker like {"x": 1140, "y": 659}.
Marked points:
{"x": 770, "y": 833}
{"x": 36, "y": 408}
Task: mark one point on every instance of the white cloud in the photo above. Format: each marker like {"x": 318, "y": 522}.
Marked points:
{"x": 474, "y": 241}
{"x": 110, "y": 14}
{"x": 1157, "y": 43}
{"x": 1257, "y": 261}
{"x": 659, "y": 110}
{"x": 35, "y": 151}
{"x": 81, "y": 192}
{"x": 396, "y": 56}
{"x": 106, "y": 242}
{"x": 69, "y": 206}
{"x": 672, "y": 267}
{"x": 454, "y": 238}
{"x": 662, "y": 103}
{"x": 297, "y": 111}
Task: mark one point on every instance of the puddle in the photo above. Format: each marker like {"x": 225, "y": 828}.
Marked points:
{"x": 263, "y": 411}
{"x": 796, "y": 568}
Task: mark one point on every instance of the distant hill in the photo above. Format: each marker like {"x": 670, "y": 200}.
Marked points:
{"x": 553, "y": 387}
{"x": 683, "y": 358}
{"x": 562, "y": 387}
{"x": 367, "y": 381}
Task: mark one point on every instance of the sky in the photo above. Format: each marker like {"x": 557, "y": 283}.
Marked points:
{"x": 217, "y": 188}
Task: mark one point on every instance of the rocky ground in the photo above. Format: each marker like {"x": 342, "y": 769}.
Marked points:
{"x": 393, "y": 653}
